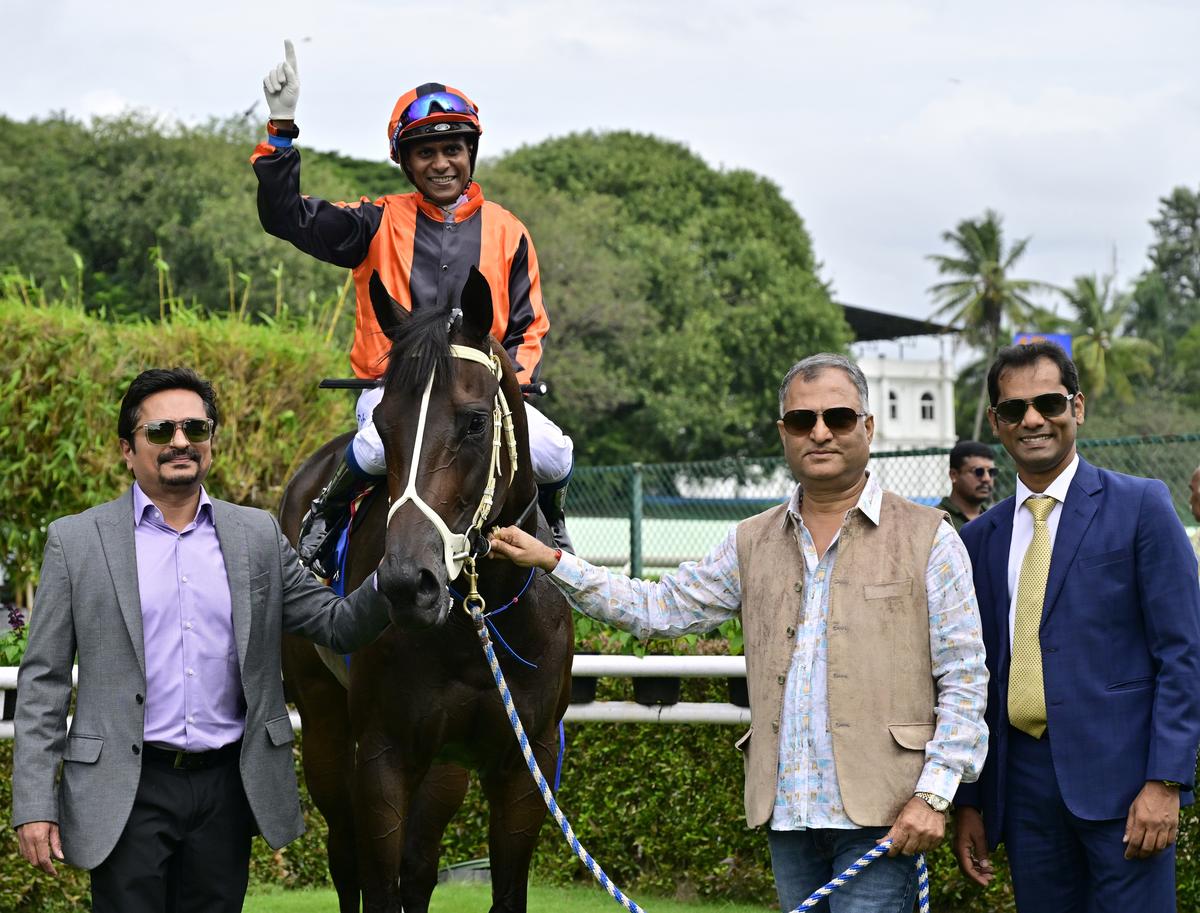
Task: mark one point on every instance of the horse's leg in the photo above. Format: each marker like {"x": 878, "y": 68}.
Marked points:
{"x": 516, "y": 811}
{"x": 438, "y": 797}
{"x": 383, "y": 792}
{"x": 327, "y": 759}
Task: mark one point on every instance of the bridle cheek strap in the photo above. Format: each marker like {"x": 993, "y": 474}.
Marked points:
{"x": 457, "y": 547}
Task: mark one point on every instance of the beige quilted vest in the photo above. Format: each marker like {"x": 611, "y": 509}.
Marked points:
{"x": 880, "y": 684}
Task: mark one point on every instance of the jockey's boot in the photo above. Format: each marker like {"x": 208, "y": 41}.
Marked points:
{"x": 552, "y": 496}
{"x": 329, "y": 513}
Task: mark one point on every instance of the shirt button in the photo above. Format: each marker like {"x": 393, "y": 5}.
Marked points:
{"x": 775, "y": 726}
{"x": 185, "y": 580}
{"x": 191, "y": 719}
{"x": 782, "y": 679}
{"x": 136, "y": 750}
{"x": 191, "y": 672}
{"x": 791, "y": 632}
{"x": 188, "y": 625}
{"x": 139, "y": 699}
{"x": 444, "y": 267}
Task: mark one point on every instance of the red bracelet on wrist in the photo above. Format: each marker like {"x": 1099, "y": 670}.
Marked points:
{"x": 557, "y": 555}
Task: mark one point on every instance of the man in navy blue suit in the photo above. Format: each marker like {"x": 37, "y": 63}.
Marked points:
{"x": 1087, "y": 589}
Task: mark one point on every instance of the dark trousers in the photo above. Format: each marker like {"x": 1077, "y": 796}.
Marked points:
{"x": 185, "y": 848}
{"x": 1065, "y": 864}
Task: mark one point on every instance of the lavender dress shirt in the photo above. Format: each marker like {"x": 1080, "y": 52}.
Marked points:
{"x": 194, "y": 697}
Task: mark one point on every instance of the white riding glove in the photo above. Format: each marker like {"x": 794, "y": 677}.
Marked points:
{"x": 281, "y": 86}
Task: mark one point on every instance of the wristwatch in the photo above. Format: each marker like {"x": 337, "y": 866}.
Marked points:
{"x": 934, "y": 801}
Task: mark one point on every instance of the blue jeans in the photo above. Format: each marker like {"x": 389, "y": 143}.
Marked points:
{"x": 805, "y": 860}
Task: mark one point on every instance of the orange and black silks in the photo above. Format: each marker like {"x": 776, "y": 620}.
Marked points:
{"x": 422, "y": 258}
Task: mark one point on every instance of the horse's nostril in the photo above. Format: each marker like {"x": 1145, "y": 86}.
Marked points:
{"x": 416, "y": 592}
{"x": 429, "y": 584}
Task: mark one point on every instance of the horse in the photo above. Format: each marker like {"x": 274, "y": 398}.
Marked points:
{"x": 386, "y": 759}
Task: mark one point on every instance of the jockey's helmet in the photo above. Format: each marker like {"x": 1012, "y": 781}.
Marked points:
{"x": 433, "y": 111}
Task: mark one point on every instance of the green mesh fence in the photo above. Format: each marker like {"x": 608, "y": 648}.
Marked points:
{"x": 650, "y": 517}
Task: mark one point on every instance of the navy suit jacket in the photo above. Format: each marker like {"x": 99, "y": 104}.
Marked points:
{"x": 1120, "y": 640}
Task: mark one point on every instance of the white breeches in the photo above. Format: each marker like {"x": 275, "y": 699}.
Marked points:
{"x": 549, "y": 449}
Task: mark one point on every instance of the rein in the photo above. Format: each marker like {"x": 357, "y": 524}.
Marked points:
{"x": 457, "y": 547}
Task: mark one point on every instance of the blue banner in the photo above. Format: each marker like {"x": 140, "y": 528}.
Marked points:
{"x": 1062, "y": 340}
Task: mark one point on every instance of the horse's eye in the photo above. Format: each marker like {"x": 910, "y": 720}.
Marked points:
{"x": 478, "y": 424}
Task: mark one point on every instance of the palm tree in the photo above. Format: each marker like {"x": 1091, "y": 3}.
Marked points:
{"x": 982, "y": 297}
{"x": 1106, "y": 358}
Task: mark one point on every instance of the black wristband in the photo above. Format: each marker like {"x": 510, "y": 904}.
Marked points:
{"x": 275, "y": 129}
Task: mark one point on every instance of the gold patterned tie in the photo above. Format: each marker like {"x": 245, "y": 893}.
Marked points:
{"x": 1026, "y": 693}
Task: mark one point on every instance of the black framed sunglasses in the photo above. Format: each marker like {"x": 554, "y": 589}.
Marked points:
{"x": 839, "y": 420}
{"x": 196, "y": 430}
{"x": 1050, "y": 405}
{"x": 980, "y": 471}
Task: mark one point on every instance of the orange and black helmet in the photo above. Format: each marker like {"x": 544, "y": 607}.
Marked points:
{"x": 433, "y": 111}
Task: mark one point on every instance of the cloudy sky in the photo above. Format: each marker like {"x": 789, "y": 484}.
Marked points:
{"x": 884, "y": 123}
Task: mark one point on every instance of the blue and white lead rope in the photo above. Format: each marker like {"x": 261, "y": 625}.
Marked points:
{"x": 475, "y": 606}
{"x": 861, "y": 863}
{"x": 476, "y": 610}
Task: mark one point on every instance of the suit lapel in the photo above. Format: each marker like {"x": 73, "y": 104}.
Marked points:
{"x": 236, "y": 552}
{"x": 1077, "y": 512}
{"x": 996, "y": 561}
{"x": 115, "y": 527}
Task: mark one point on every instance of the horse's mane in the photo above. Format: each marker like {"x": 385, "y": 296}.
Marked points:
{"x": 420, "y": 344}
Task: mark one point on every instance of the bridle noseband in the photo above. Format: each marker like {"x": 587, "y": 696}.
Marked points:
{"x": 457, "y": 547}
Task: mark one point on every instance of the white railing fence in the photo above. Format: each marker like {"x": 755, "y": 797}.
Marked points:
{"x": 593, "y": 666}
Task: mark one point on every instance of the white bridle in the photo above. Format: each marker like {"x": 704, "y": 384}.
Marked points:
{"x": 457, "y": 546}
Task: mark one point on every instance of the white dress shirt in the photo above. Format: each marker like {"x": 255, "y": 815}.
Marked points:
{"x": 1022, "y": 533}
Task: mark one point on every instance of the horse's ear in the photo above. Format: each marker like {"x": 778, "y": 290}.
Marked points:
{"x": 476, "y": 304}
{"x": 387, "y": 311}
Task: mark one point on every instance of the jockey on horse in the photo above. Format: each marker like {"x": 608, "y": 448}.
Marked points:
{"x": 423, "y": 246}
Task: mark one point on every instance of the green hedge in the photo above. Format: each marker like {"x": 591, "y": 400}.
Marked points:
{"x": 62, "y": 374}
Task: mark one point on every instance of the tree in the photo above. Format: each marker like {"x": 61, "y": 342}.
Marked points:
{"x": 722, "y": 293}
{"x": 982, "y": 297}
{"x": 1106, "y": 358}
{"x": 114, "y": 189}
{"x": 1166, "y": 300}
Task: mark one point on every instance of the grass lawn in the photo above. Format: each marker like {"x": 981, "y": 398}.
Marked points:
{"x": 475, "y": 898}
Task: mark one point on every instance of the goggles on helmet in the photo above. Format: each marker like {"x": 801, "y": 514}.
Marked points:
{"x": 436, "y": 103}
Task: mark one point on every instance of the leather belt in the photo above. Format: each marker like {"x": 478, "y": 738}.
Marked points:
{"x": 192, "y": 760}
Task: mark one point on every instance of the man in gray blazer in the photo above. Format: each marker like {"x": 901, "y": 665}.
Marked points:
{"x": 173, "y": 605}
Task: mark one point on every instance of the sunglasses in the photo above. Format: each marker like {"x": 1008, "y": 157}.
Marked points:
{"x": 839, "y": 420}
{"x": 1050, "y": 405}
{"x": 980, "y": 471}
{"x": 436, "y": 103}
{"x": 196, "y": 430}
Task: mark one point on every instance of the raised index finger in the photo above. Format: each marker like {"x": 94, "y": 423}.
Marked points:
{"x": 289, "y": 54}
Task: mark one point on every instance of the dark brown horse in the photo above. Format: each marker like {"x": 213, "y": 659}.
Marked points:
{"x": 387, "y": 760}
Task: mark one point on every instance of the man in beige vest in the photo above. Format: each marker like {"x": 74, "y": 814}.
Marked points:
{"x": 864, "y": 656}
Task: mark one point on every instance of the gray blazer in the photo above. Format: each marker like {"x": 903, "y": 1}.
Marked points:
{"x": 87, "y": 605}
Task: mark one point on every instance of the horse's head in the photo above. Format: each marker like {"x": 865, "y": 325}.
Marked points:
{"x": 452, "y": 424}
